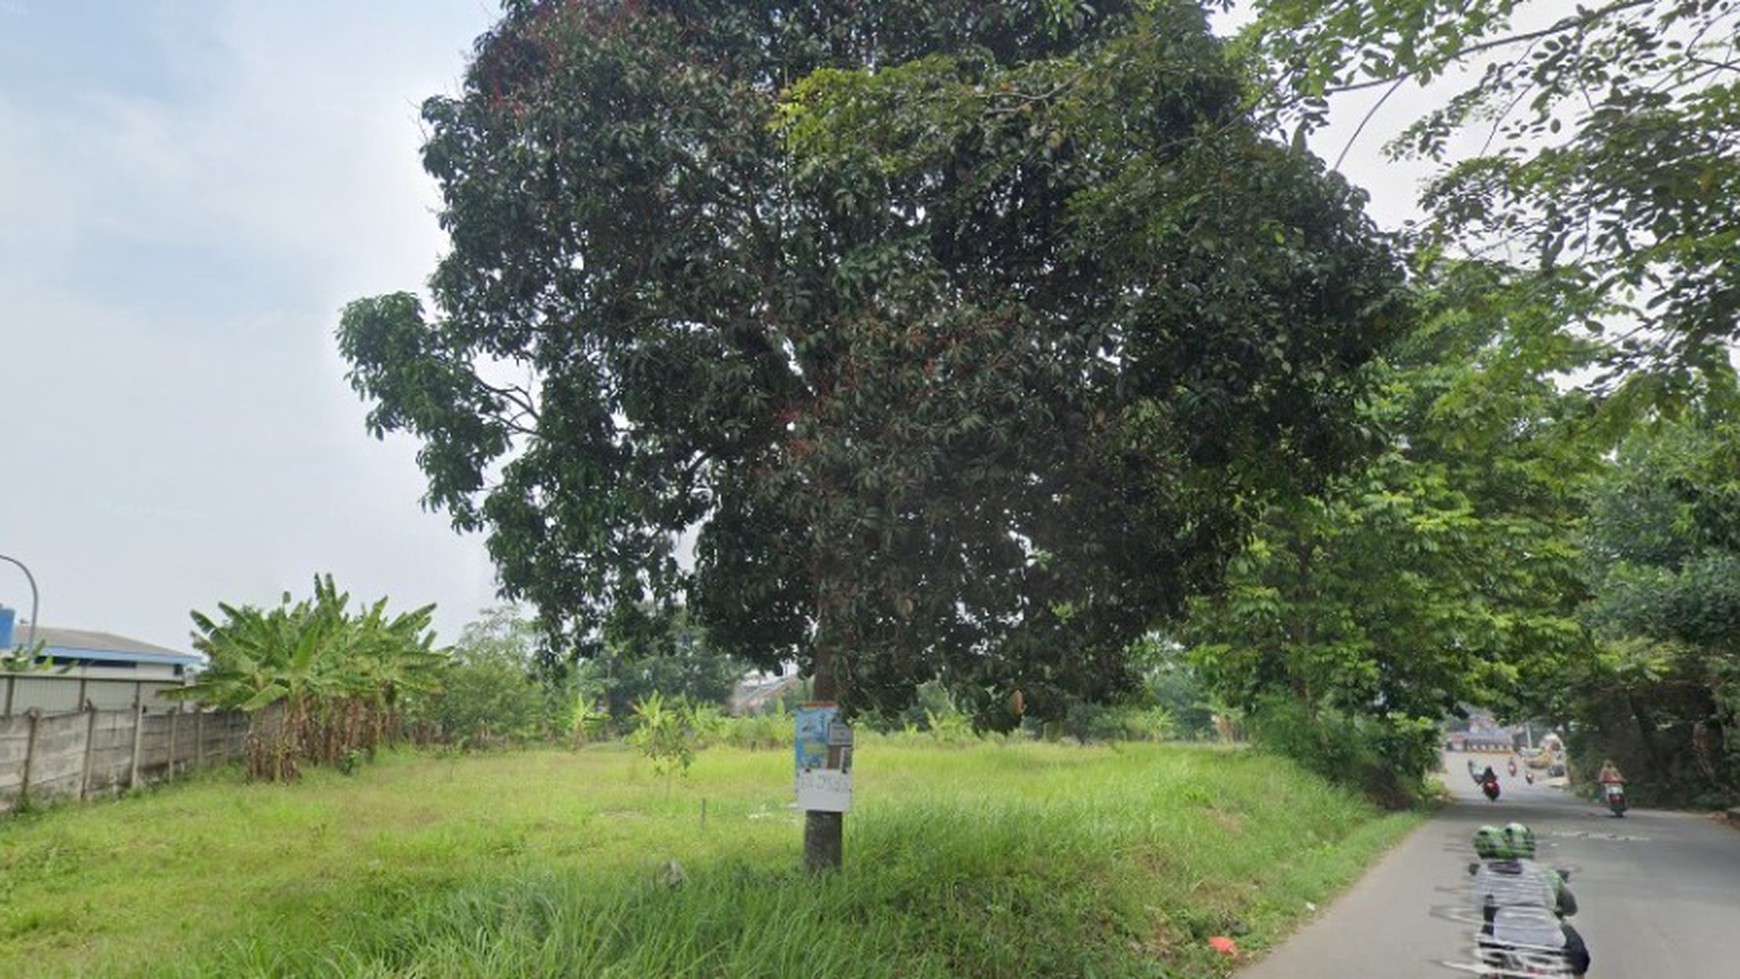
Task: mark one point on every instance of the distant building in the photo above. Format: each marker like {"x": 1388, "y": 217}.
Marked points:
{"x": 755, "y": 693}
{"x": 76, "y": 667}
{"x": 1483, "y": 733}
{"x": 105, "y": 654}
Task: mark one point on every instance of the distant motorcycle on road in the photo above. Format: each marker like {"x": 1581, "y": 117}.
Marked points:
{"x": 1616, "y": 798}
{"x": 1490, "y": 787}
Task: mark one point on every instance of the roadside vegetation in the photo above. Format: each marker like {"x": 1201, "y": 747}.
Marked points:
{"x": 322, "y": 684}
{"x": 1036, "y": 409}
{"x": 978, "y": 858}
{"x": 903, "y": 426}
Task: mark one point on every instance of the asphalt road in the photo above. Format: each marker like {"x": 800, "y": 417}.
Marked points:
{"x": 1658, "y": 893}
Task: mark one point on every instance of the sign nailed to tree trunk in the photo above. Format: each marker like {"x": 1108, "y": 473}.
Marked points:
{"x": 823, "y": 745}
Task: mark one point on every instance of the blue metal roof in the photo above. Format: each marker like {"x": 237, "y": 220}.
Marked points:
{"x": 102, "y": 647}
{"x": 120, "y": 656}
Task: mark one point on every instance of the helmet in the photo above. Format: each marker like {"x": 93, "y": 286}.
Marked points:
{"x": 1488, "y": 843}
{"x": 1521, "y": 841}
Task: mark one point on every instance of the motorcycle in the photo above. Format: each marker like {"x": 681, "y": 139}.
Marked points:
{"x": 1490, "y": 787}
{"x": 1507, "y": 962}
{"x": 1529, "y": 777}
{"x": 1501, "y": 959}
{"x": 1616, "y": 799}
{"x": 1513, "y": 768}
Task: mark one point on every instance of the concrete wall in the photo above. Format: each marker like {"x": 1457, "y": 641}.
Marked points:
{"x": 46, "y": 757}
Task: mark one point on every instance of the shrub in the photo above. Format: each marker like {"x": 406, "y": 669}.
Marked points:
{"x": 1089, "y": 723}
{"x": 1386, "y": 758}
{"x": 486, "y": 697}
{"x": 769, "y": 729}
{"x": 669, "y": 732}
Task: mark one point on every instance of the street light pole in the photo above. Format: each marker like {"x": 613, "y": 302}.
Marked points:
{"x": 34, "y": 598}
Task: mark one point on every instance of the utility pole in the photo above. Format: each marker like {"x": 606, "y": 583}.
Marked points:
{"x": 29, "y": 643}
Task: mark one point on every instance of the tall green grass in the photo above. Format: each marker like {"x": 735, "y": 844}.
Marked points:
{"x": 992, "y": 860}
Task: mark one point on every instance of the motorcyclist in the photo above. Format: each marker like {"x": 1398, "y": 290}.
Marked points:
{"x": 1488, "y": 775}
{"x": 1513, "y": 767}
{"x": 1521, "y": 902}
{"x": 1612, "y": 782}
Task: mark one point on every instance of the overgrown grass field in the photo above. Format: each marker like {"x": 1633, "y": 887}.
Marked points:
{"x": 989, "y": 860}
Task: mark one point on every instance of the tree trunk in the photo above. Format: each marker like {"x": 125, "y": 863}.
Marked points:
{"x": 824, "y": 832}
{"x": 824, "y": 841}
{"x": 1647, "y": 734}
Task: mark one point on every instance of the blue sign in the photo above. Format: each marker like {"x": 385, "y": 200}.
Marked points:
{"x": 823, "y": 744}
{"x": 811, "y": 740}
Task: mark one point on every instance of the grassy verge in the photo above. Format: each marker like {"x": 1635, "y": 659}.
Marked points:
{"x": 1013, "y": 860}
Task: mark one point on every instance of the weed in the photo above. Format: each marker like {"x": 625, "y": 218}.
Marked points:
{"x": 984, "y": 860}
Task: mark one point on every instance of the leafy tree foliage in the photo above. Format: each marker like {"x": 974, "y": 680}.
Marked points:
{"x": 1178, "y": 689}
{"x": 964, "y": 338}
{"x": 1663, "y": 696}
{"x": 323, "y": 683}
{"x": 1442, "y": 573}
{"x": 488, "y": 691}
{"x": 675, "y": 661}
{"x": 503, "y": 684}
{"x": 1608, "y": 140}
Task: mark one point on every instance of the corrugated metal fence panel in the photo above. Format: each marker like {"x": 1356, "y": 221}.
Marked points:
{"x": 47, "y": 693}
{"x": 152, "y": 696}
{"x": 111, "y": 695}
{"x": 57, "y": 693}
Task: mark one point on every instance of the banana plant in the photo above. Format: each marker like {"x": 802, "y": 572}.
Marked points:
{"x": 320, "y": 681}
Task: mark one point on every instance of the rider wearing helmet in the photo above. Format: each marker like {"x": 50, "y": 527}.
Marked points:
{"x": 1521, "y": 901}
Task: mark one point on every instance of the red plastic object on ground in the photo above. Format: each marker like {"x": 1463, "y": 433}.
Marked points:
{"x": 1224, "y": 945}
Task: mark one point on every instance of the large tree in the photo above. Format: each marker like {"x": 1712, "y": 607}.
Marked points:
{"x": 1663, "y": 696}
{"x": 1446, "y": 571}
{"x": 961, "y": 339}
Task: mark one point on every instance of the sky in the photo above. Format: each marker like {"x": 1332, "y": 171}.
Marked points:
{"x": 190, "y": 190}
{"x": 189, "y": 193}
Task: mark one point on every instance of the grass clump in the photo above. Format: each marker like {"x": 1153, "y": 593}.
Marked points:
{"x": 994, "y": 860}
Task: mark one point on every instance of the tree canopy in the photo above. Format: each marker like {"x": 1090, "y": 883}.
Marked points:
{"x": 1446, "y": 571}
{"x": 1663, "y": 546}
{"x": 1596, "y": 149}
{"x": 961, "y": 340}
{"x": 1598, "y": 144}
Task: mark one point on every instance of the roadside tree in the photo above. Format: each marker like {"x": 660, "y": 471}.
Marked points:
{"x": 1443, "y": 573}
{"x": 963, "y": 341}
{"x": 1663, "y": 696}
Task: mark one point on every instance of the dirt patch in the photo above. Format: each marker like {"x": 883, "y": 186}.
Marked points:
{"x": 1232, "y": 822}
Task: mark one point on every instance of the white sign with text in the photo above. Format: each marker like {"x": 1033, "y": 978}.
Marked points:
{"x": 824, "y": 790}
